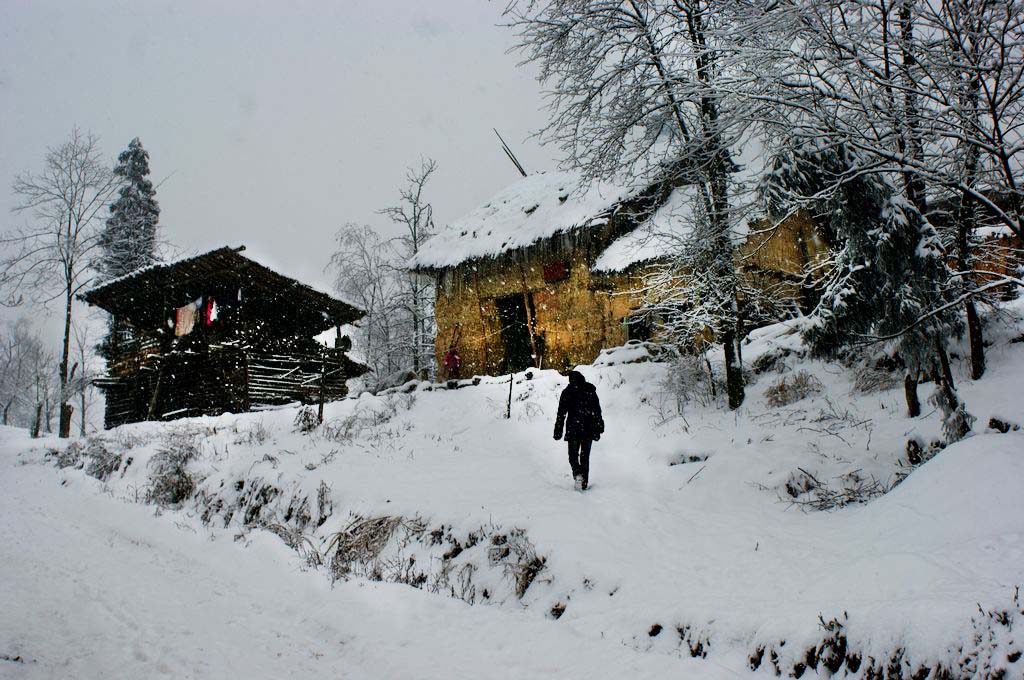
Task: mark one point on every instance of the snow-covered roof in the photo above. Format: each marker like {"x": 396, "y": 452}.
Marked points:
{"x": 664, "y": 232}
{"x": 656, "y": 236}
{"x": 534, "y": 208}
{"x": 144, "y": 295}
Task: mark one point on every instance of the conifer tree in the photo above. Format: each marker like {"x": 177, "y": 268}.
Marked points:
{"x": 888, "y": 279}
{"x": 130, "y": 236}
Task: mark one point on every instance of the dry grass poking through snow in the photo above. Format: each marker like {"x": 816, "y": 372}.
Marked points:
{"x": 789, "y": 390}
{"x": 170, "y": 481}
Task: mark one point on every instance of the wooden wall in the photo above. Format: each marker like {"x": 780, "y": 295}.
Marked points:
{"x": 572, "y": 318}
{"x": 577, "y": 317}
{"x": 216, "y": 379}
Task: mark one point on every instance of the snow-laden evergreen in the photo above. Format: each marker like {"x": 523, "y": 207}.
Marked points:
{"x": 886, "y": 279}
{"x": 129, "y": 239}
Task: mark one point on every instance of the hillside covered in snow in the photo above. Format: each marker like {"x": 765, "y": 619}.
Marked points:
{"x": 817, "y": 531}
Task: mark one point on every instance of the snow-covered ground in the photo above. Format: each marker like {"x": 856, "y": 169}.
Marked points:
{"x": 94, "y": 587}
{"x": 694, "y": 545}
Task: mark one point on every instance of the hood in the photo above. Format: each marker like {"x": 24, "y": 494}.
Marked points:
{"x": 576, "y": 379}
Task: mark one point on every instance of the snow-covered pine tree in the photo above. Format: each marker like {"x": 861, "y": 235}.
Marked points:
{"x": 888, "y": 279}
{"x": 129, "y": 239}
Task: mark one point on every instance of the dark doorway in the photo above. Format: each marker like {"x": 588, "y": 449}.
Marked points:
{"x": 515, "y": 333}
{"x": 639, "y": 327}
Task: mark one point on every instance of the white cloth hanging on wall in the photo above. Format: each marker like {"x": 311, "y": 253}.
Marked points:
{"x": 185, "y": 319}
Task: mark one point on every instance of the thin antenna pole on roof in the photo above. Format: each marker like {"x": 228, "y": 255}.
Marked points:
{"x": 511, "y": 156}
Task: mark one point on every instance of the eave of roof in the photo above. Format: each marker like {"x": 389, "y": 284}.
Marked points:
{"x": 154, "y": 289}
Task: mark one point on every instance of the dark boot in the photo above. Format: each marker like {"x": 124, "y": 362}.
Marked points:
{"x": 584, "y": 463}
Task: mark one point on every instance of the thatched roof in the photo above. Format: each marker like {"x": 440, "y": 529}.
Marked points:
{"x": 147, "y": 296}
{"x": 534, "y": 208}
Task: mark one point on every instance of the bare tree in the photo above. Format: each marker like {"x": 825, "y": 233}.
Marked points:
{"x": 50, "y": 259}
{"x": 81, "y": 382}
{"x": 397, "y": 333}
{"x": 416, "y": 216}
{"x": 659, "y": 91}
{"x": 15, "y": 368}
{"x": 365, "y": 273}
{"x": 45, "y": 389}
{"x": 27, "y": 378}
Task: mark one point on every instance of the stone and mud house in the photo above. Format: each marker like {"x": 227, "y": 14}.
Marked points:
{"x": 218, "y": 332}
{"x": 547, "y": 272}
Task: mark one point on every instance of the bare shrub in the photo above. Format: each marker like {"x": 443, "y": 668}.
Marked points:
{"x": 840, "y": 423}
{"x": 773, "y": 361}
{"x": 169, "y": 480}
{"x": 871, "y": 379}
{"x": 523, "y": 564}
{"x": 324, "y": 503}
{"x": 810, "y": 493}
{"x": 361, "y": 542}
{"x": 789, "y": 390}
{"x": 102, "y": 462}
{"x": 352, "y": 426}
{"x": 126, "y": 438}
{"x": 692, "y": 378}
{"x": 406, "y": 401}
{"x": 255, "y": 435}
{"x": 529, "y": 411}
{"x": 306, "y": 420}
{"x": 302, "y": 544}
{"x": 342, "y": 429}
{"x": 69, "y": 456}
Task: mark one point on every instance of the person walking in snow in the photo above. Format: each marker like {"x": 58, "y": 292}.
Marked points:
{"x": 579, "y": 417}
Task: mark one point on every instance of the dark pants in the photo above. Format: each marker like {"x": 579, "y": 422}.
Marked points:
{"x": 579, "y": 458}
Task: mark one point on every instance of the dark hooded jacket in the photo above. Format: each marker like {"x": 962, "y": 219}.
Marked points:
{"x": 579, "y": 410}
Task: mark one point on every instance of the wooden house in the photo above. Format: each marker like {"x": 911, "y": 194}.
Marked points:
{"x": 218, "y": 332}
{"x": 545, "y": 273}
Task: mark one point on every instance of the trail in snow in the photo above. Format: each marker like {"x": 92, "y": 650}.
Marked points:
{"x": 93, "y": 587}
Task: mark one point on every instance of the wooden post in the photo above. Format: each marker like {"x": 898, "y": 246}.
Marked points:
{"x": 323, "y": 378}
{"x": 151, "y": 410}
{"x": 508, "y": 410}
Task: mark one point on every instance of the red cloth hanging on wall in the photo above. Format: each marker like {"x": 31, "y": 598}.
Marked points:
{"x": 210, "y": 311}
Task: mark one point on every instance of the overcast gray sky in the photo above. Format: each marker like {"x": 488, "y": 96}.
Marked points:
{"x": 272, "y": 123}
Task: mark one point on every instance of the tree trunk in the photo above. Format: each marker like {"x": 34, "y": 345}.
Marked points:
{"x": 946, "y": 378}
{"x": 37, "y": 423}
{"x": 65, "y": 409}
{"x": 965, "y": 225}
{"x": 81, "y": 429}
{"x": 67, "y": 412}
{"x": 910, "y": 390}
{"x": 956, "y": 422}
{"x": 977, "y": 342}
{"x": 733, "y": 374}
